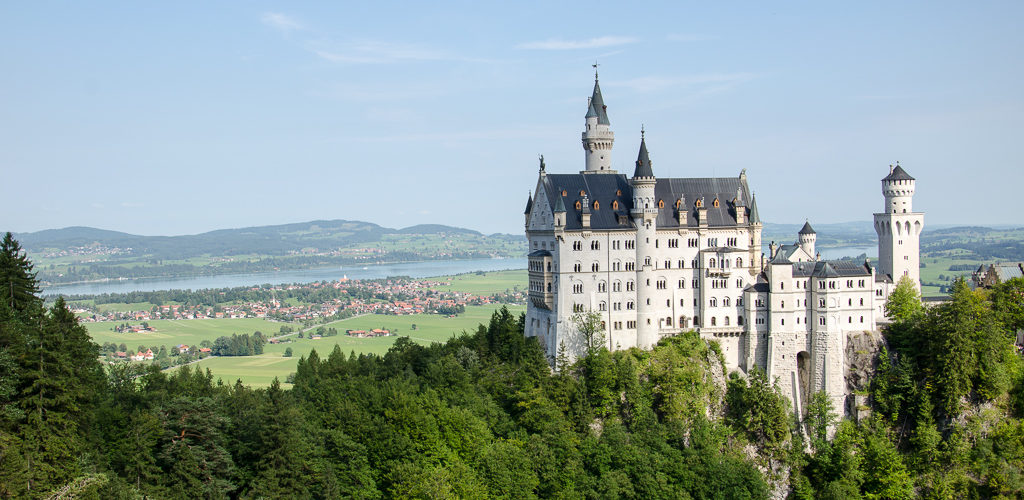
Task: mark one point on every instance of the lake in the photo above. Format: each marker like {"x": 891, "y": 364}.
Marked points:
{"x": 373, "y": 271}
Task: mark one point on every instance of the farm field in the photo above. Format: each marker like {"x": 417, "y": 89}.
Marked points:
{"x": 485, "y": 283}
{"x": 174, "y": 332}
{"x": 936, "y": 266}
{"x": 261, "y": 370}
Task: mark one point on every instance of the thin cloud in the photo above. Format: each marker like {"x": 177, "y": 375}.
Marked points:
{"x": 281, "y": 22}
{"x": 655, "y": 83}
{"x": 590, "y": 43}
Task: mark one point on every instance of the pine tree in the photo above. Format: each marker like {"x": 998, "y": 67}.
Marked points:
{"x": 18, "y": 285}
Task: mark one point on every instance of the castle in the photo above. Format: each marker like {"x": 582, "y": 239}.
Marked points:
{"x": 656, "y": 256}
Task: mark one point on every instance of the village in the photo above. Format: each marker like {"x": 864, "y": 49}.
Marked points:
{"x": 324, "y": 300}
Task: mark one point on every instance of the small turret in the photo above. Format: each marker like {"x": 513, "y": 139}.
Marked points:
{"x": 807, "y": 238}
{"x": 559, "y": 212}
{"x": 755, "y": 216}
{"x": 529, "y": 207}
{"x": 898, "y": 189}
{"x": 585, "y": 212}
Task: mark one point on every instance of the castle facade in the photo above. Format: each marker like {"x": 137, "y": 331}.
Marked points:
{"x": 656, "y": 256}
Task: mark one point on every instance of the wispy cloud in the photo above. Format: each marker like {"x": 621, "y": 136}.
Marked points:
{"x": 590, "y": 43}
{"x": 281, "y": 22}
{"x": 655, "y": 83}
{"x": 377, "y": 52}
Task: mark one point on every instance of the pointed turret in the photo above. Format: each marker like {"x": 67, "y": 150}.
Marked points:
{"x": 643, "y": 160}
{"x": 529, "y": 204}
{"x": 559, "y": 205}
{"x": 597, "y": 135}
{"x": 807, "y": 229}
{"x": 559, "y": 212}
{"x": 755, "y": 216}
{"x": 807, "y": 237}
{"x": 597, "y": 102}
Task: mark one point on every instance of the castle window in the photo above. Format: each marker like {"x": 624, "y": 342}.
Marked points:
{"x": 715, "y": 203}
{"x": 595, "y": 245}
{"x": 862, "y": 319}
{"x": 597, "y": 205}
{"x": 565, "y": 193}
{"x": 595, "y": 267}
{"x": 713, "y": 303}
{"x": 618, "y": 192}
{"x": 739, "y": 262}
{"x": 725, "y": 302}
{"x": 861, "y": 301}
{"x": 661, "y": 203}
{"x": 668, "y": 321}
{"x": 583, "y": 193}
{"x": 601, "y": 287}
{"x": 578, "y": 205}
{"x": 615, "y": 205}
{"x": 726, "y": 321}
{"x": 700, "y": 203}
{"x": 602, "y": 306}
{"x": 714, "y": 321}
{"x": 577, "y": 267}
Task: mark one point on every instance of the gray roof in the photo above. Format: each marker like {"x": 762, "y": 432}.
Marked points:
{"x": 807, "y": 229}
{"x": 830, "y": 269}
{"x": 755, "y": 216}
{"x": 591, "y": 112}
{"x": 609, "y": 188}
{"x": 1008, "y": 272}
{"x": 598, "y": 103}
{"x": 898, "y": 174}
{"x": 539, "y": 253}
{"x": 529, "y": 204}
{"x": 559, "y": 205}
{"x": 643, "y": 161}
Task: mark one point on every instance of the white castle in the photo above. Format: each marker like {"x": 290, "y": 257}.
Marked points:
{"x": 657, "y": 256}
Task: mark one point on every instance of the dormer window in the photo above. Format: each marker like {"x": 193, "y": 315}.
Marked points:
{"x": 661, "y": 203}
{"x": 679, "y": 203}
{"x": 615, "y": 204}
{"x": 583, "y": 193}
{"x": 564, "y": 193}
{"x": 578, "y": 205}
{"x": 700, "y": 203}
{"x": 715, "y": 203}
{"x": 618, "y": 192}
{"x": 597, "y": 205}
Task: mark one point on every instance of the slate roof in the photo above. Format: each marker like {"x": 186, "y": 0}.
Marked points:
{"x": 598, "y": 103}
{"x": 529, "y": 204}
{"x": 603, "y": 189}
{"x": 807, "y": 229}
{"x": 643, "y": 161}
{"x": 755, "y": 216}
{"x": 539, "y": 253}
{"x": 830, "y": 269}
{"x": 898, "y": 174}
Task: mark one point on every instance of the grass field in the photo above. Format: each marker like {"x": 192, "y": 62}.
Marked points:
{"x": 935, "y": 266}
{"x": 174, "y": 332}
{"x": 486, "y": 283}
{"x": 261, "y": 370}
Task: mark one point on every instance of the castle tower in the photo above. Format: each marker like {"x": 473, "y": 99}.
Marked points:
{"x": 807, "y": 238}
{"x": 598, "y": 137}
{"x": 645, "y": 213}
{"x": 899, "y": 228}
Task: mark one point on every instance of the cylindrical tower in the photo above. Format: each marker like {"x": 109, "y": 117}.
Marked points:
{"x": 598, "y": 137}
{"x": 645, "y": 214}
{"x": 899, "y": 229}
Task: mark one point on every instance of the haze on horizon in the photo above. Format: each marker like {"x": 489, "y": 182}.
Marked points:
{"x": 163, "y": 120}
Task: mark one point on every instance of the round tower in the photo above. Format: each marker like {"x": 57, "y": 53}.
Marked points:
{"x": 899, "y": 229}
{"x": 807, "y": 238}
{"x": 597, "y": 136}
{"x": 645, "y": 214}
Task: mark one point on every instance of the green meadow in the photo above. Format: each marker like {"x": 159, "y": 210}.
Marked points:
{"x": 261, "y": 370}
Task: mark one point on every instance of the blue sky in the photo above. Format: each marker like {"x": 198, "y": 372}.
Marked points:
{"x": 181, "y": 118}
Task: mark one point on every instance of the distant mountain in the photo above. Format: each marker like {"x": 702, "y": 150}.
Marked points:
{"x": 835, "y": 234}
{"x": 279, "y": 239}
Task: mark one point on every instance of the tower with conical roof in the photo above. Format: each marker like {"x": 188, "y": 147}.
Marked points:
{"x": 645, "y": 216}
{"x": 807, "y": 238}
{"x": 598, "y": 137}
{"x": 899, "y": 228}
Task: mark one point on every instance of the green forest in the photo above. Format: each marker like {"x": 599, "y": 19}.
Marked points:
{"x": 484, "y": 416}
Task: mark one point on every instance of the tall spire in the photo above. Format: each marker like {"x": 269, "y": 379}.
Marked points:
{"x": 643, "y": 160}
{"x": 597, "y": 102}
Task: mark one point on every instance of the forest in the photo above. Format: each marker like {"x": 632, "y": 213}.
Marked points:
{"x": 485, "y": 416}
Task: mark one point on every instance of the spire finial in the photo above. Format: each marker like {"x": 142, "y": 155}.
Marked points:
{"x": 595, "y": 65}
{"x": 641, "y": 131}
{"x": 542, "y": 163}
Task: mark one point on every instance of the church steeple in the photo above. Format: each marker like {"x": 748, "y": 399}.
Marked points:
{"x": 597, "y": 136}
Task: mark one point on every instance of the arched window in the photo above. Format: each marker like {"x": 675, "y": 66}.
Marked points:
{"x": 618, "y": 192}
{"x": 739, "y": 320}
{"x": 597, "y": 205}
{"x": 578, "y": 205}
{"x": 661, "y": 203}
{"x": 713, "y": 321}
{"x": 726, "y": 321}
{"x": 615, "y": 205}
{"x": 712, "y": 262}
{"x": 679, "y": 203}
{"x": 583, "y": 193}
{"x": 565, "y": 193}
{"x": 700, "y": 203}
{"x": 739, "y": 261}
{"x": 715, "y": 203}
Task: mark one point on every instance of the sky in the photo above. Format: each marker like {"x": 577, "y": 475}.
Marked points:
{"x": 183, "y": 117}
